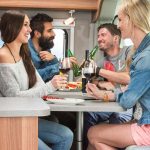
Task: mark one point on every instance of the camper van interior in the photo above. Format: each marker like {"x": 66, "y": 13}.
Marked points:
{"x": 75, "y": 26}
{"x": 82, "y": 33}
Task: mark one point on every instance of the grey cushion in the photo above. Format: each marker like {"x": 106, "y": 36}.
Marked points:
{"x": 134, "y": 147}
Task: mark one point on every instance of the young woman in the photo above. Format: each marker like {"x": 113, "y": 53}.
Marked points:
{"x": 18, "y": 77}
{"x": 134, "y": 23}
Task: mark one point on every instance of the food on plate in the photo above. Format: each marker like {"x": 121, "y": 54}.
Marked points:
{"x": 74, "y": 85}
{"x": 50, "y": 97}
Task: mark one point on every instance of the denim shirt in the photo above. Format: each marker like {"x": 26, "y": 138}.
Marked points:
{"x": 46, "y": 69}
{"x": 139, "y": 87}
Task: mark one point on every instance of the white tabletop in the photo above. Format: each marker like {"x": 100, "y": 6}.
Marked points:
{"x": 19, "y": 107}
{"x": 67, "y": 94}
{"x": 88, "y": 106}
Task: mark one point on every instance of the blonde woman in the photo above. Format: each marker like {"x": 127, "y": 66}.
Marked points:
{"x": 134, "y": 23}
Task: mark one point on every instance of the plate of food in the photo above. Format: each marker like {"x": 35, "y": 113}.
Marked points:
{"x": 73, "y": 86}
{"x": 68, "y": 101}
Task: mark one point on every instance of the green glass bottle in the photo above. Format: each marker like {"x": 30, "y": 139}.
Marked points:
{"x": 91, "y": 55}
{"x": 76, "y": 69}
{"x": 93, "y": 52}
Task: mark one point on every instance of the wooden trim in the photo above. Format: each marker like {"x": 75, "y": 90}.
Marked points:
{"x": 20, "y": 133}
{"x": 87, "y": 5}
{"x": 51, "y": 4}
{"x": 95, "y": 15}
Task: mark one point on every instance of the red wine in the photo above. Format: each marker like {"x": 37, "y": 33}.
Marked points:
{"x": 84, "y": 82}
{"x": 89, "y": 75}
{"x": 64, "y": 70}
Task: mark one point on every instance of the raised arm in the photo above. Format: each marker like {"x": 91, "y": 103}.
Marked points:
{"x": 118, "y": 77}
{"x": 10, "y": 85}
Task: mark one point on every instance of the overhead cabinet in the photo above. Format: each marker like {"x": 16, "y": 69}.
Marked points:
{"x": 85, "y": 5}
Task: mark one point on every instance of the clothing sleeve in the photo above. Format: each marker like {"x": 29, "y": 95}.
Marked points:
{"x": 9, "y": 86}
{"x": 49, "y": 71}
{"x": 139, "y": 85}
{"x": 100, "y": 62}
{"x": 128, "y": 52}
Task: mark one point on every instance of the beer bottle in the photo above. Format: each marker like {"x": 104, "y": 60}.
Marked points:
{"x": 76, "y": 69}
{"x": 91, "y": 55}
{"x": 93, "y": 52}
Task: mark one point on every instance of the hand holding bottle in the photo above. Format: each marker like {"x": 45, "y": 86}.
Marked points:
{"x": 73, "y": 60}
{"x": 75, "y": 67}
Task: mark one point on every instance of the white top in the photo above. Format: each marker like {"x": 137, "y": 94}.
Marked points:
{"x": 14, "y": 82}
{"x": 19, "y": 107}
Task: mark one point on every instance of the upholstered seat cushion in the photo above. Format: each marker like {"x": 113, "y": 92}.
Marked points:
{"x": 135, "y": 147}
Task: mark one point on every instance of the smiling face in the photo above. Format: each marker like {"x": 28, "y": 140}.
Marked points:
{"x": 25, "y": 31}
{"x": 47, "y": 37}
{"x": 124, "y": 24}
{"x": 105, "y": 40}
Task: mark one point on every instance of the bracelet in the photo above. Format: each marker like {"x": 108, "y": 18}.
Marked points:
{"x": 97, "y": 71}
{"x": 105, "y": 97}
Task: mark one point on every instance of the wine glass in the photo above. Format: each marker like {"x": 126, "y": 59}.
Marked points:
{"x": 64, "y": 68}
{"x": 64, "y": 65}
{"x": 89, "y": 70}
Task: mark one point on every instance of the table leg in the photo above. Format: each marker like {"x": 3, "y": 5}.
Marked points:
{"x": 79, "y": 130}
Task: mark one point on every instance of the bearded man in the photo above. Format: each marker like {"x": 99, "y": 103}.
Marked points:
{"x": 45, "y": 62}
{"x": 40, "y": 43}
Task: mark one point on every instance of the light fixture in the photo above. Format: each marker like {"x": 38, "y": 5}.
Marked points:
{"x": 71, "y": 19}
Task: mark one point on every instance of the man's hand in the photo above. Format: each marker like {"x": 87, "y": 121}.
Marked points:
{"x": 73, "y": 60}
{"x": 46, "y": 56}
{"x": 59, "y": 81}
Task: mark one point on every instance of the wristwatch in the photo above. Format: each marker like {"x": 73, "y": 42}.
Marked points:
{"x": 97, "y": 71}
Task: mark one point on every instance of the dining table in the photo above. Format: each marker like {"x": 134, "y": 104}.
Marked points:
{"x": 19, "y": 122}
{"x": 88, "y": 105}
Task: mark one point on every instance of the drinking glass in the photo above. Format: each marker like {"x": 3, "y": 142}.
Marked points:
{"x": 64, "y": 65}
{"x": 64, "y": 68}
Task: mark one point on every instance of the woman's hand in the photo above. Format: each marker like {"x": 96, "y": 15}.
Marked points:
{"x": 92, "y": 90}
{"x": 59, "y": 81}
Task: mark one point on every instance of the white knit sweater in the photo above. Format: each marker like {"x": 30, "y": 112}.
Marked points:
{"x": 14, "y": 82}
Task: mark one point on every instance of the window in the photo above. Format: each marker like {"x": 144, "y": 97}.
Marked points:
{"x": 64, "y": 38}
{"x": 59, "y": 43}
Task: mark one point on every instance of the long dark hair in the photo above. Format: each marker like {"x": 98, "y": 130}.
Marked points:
{"x": 10, "y": 25}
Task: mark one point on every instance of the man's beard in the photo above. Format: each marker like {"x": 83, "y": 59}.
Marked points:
{"x": 105, "y": 49}
{"x": 46, "y": 43}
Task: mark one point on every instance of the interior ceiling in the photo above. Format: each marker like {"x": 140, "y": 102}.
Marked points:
{"x": 108, "y": 10}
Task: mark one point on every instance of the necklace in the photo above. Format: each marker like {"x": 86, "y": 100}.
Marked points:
{"x": 11, "y": 53}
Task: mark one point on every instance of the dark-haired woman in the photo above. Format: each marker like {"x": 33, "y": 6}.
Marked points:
{"x": 18, "y": 77}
